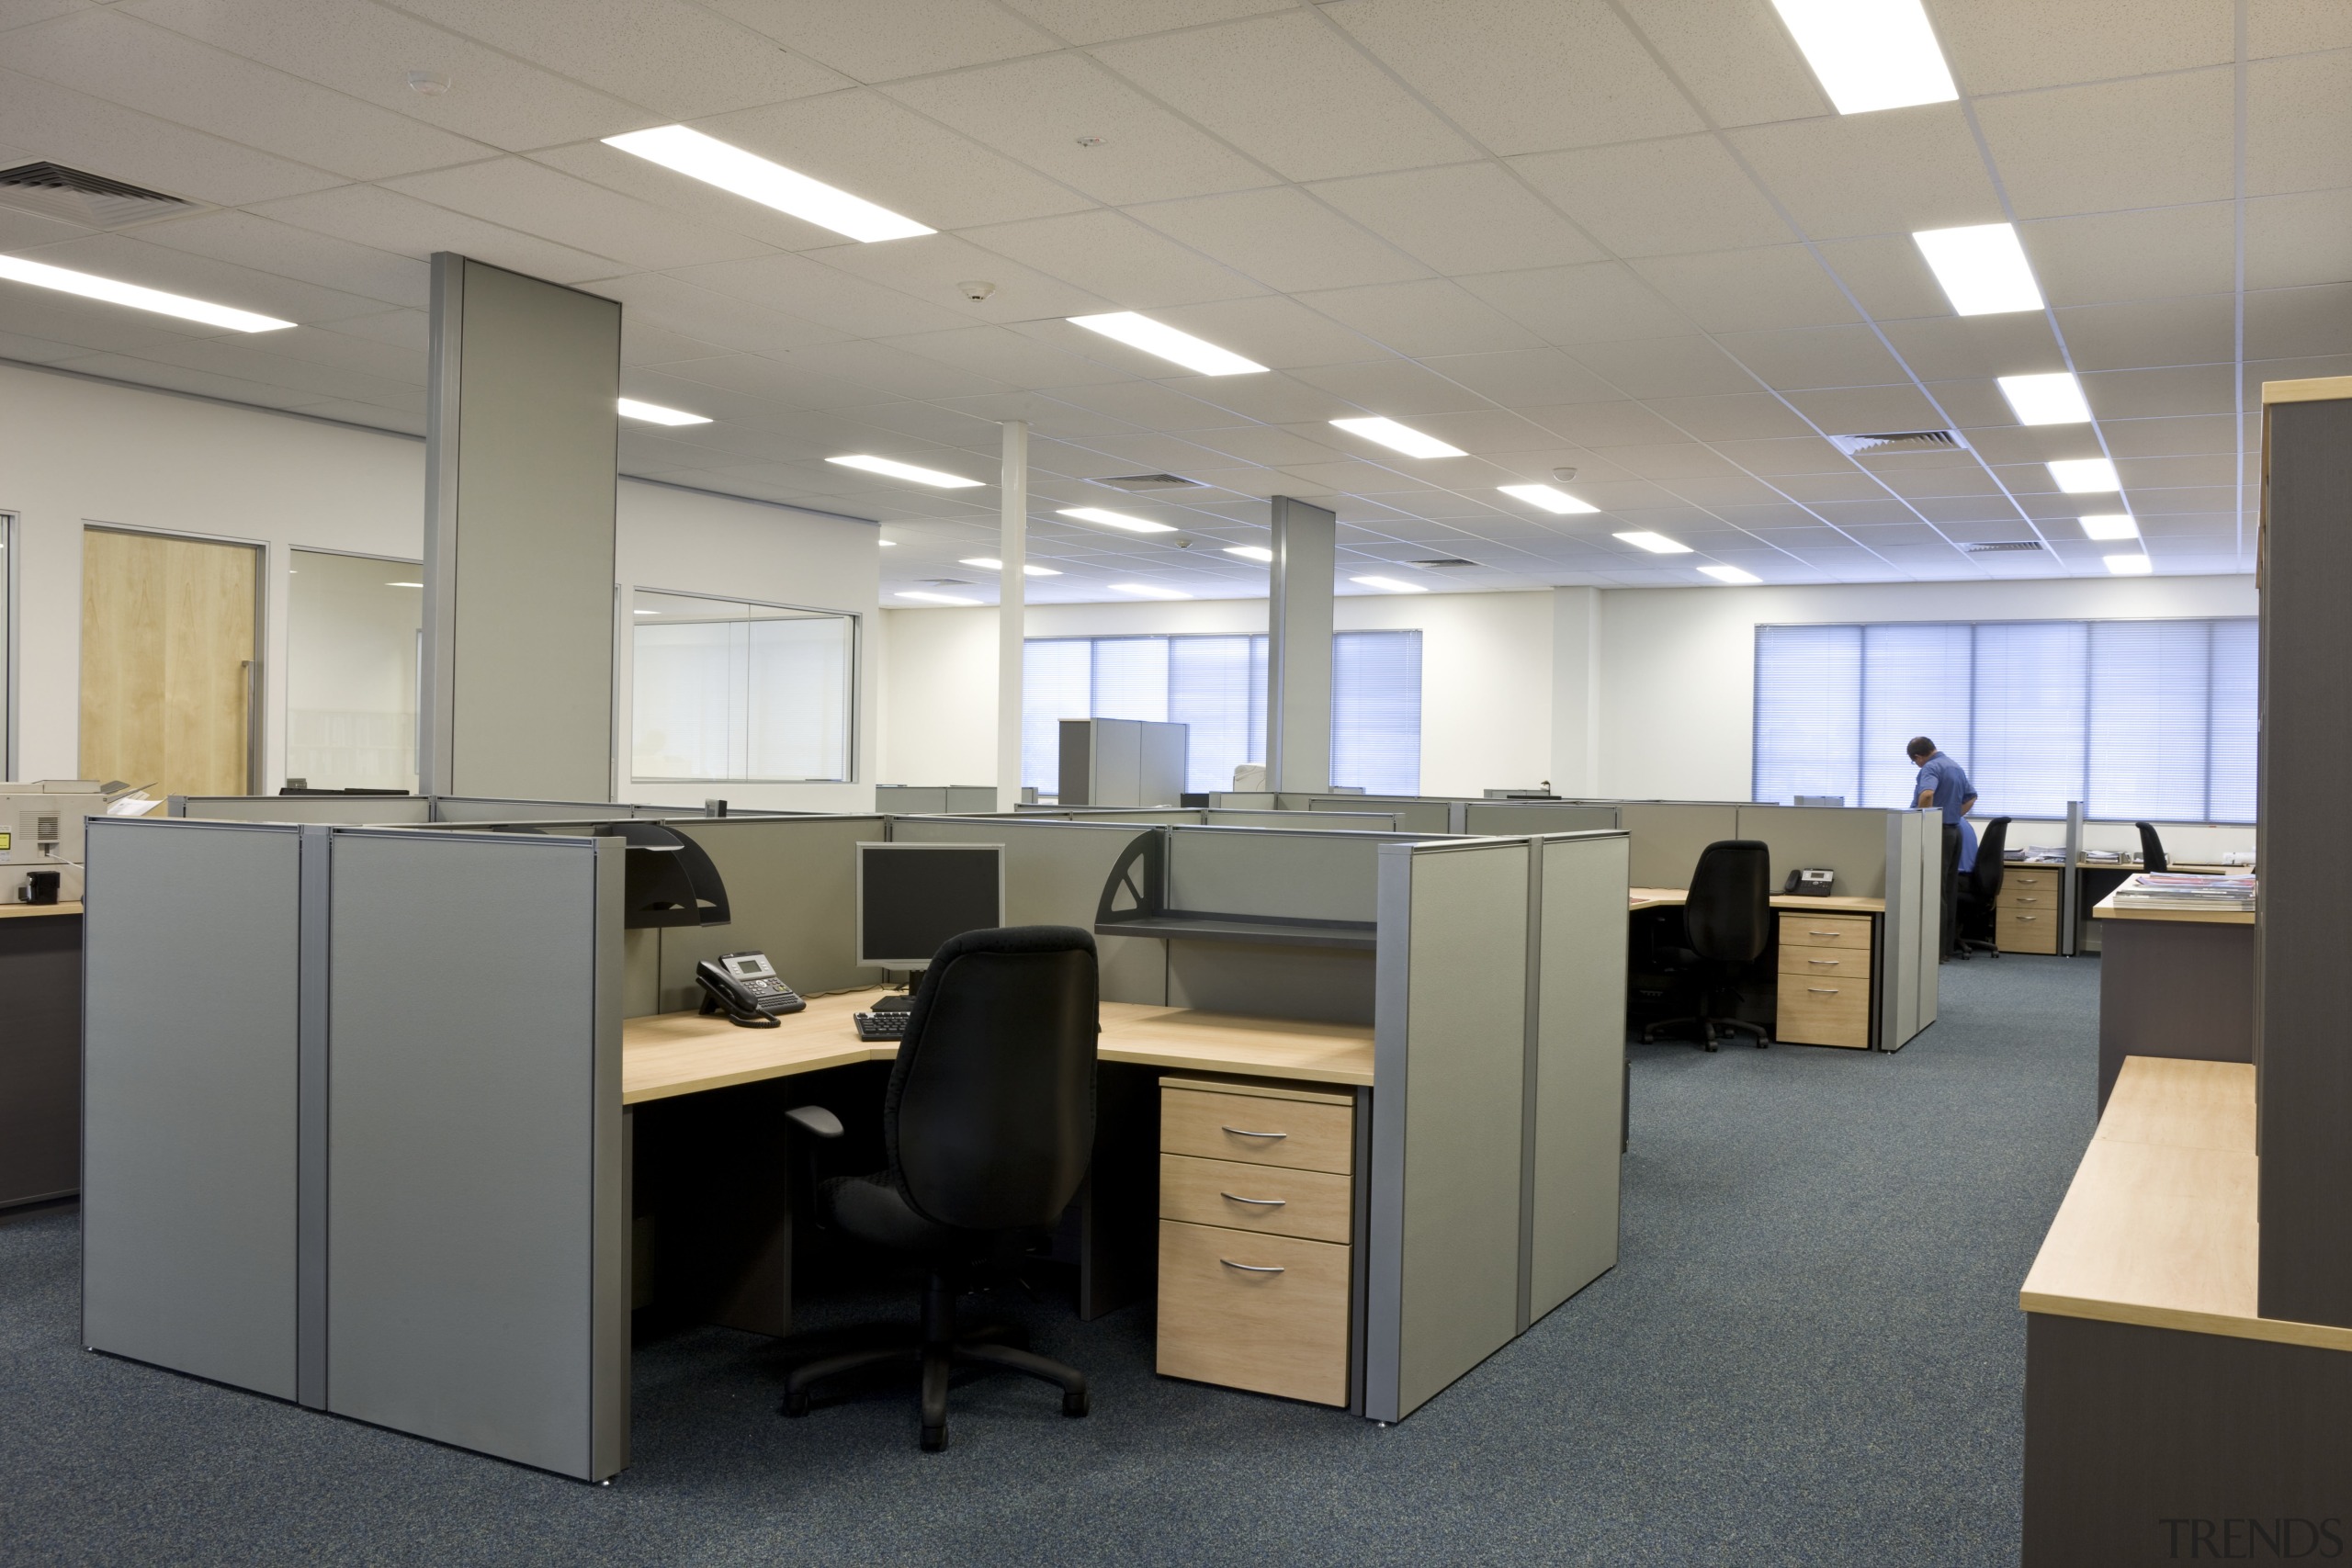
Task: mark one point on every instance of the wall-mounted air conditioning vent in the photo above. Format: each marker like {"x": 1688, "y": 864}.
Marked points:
{"x": 1883, "y": 442}
{"x": 1150, "y": 481}
{"x": 55, "y": 191}
{"x": 1999, "y": 547}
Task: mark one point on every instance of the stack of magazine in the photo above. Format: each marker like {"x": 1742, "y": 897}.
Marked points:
{"x": 2179, "y": 890}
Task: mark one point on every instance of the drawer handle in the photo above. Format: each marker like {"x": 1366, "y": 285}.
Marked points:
{"x": 2028, "y": 916}
{"x": 1261, "y": 1202}
{"x": 1833, "y": 963}
{"x": 1825, "y": 933}
{"x": 1251, "y": 1268}
{"x": 1245, "y": 1133}
{"x": 1823, "y": 990}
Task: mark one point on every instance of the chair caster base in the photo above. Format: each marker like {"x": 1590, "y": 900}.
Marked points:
{"x": 796, "y": 1403}
{"x": 1711, "y": 1044}
{"x": 1075, "y": 1404}
{"x": 935, "y": 1440}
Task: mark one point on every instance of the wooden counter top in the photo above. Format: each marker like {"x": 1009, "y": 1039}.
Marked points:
{"x": 2159, "y": 1227}
{"x": 19, "y": 911}
{"x": 2108, "y": 909}
{"x": 682, "y": 1053}
{"x": 1838, "y": 903}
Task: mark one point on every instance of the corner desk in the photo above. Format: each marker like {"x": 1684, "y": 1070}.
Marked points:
{"x": 40, "y": 1052}
{"x": 1199, "y": 1104}
{"x": 2173, "y": 983}
{"x": 2155, "y": 1391}
{"x": 1829, "y": 966}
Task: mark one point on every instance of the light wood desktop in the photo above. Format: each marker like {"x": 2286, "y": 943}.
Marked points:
{"x": 665, "y": 1055}
{"x": 1816, "y": 1000}
{"x": 1664, "y": 897}
{"x": 17, "y": 911}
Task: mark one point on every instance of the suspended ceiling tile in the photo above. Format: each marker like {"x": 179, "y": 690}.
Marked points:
{"x": 1851, "y": 410}
{"x": 173, "y": 378}
{"x": 2002, "y": 46}
{"x": 2296, "y": 27}
{"x": 741, "y": 324}
{"x": 1530, "y": 377}
{"x": 367, "y": 50}
{"x": 1665, "y": 197}
{"x": 1098, "y": 21}
{"x": 1395, "y": 388}
{"x": 120, "y": 143}
{"x": 645, "y": 343}
{"x": 2150, "y": 141}
{"x": 1753, "y": 290}
{"x": 387, "y": 221}
{"x": 2200, "y": 330}
{"x": 2161, "y": 437}
{"x": 1815, "y": 356}
{"x": 2142, "y": 474}
{"x": 879, "y": 41}
{"x": 1494, "y": 433}
{"x": 1116, "y": 258}
{"x": 1882, "y": 511}
{"x": 246, "y": 240}
{"x": 1147, "y": 404}
{"x": 2299, "y": 120}
{"x": 1806, "y": 455}
{"x": 1467, "y": 217}
{"x": 844, "y": 305}
{"x": 1888, "y": 276}
{"x": 1068, "y": 116}
{"x": 1944, "y": 348}
{"x": 1888, "y": 173}
{"x": 886, "y": 369}
{"x": 1523, "y": 75}
{"x": 2296, "y": 241}
{"x": 1427, "y": 316}
{"x": 1813, "y": 488}
{"x": 1734, "y": 57}
{"x": 787, "y": 383}
{"x": 2282, "y": 323}
{"x": 1275, "y": 399}
{"x": 1622, "y": 422}
{"x": 1688, "y": 366}
{"x": 2161, "y": 393}
{"x": 1717, "y": 491}
{"x": 1289, "y": 91}
{"x": 1602, "y": 302}
{"x": 1280, "y": 333}
{"x": 1282, "y": 238}
{"x": 2102, "y": 258}
{"x": 1004, "y": 355}
{"x": 1956, "y": 511}
{"x": 1268, "y": 446}
{"x": 934, "y": 267}
{"x": 134, "y": 260}
{"x": 518, "y": 194}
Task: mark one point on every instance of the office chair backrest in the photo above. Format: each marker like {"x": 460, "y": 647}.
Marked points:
{"x": 1984, "y": 882}
{"x": 990, "y": 1112}
{"x": 2151, "y": 848}
{"x": 1729, "y": 915}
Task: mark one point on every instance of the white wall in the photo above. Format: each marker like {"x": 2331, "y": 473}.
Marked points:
{"x": 1486, "y": 678}
{"x": 75, "y": 451}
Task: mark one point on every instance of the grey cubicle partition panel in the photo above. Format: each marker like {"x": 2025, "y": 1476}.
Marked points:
{"x": 1914, "y": 871}
{"x": 476, "y": 1258}
{"x": 191, "y": 1073}
{"x": 1302, "y": 821}
{"x": 1487, "y": 818}
{"x": 1501, "y": 1011}
{"x": 1670, "y": 835}
{"x": 1413, "y": 815}
{"x": 1188, "y": 815}
{"x": 469, "y": 808}
{"x": 1244, "y": 800}
{"x": 1289, "y": 874}
{"x": 354, "y": 811}
{"x": 1054, "y": 873}
{"x": 908, "y": 800}
{"x": 791, "y": 885}
{"x": 1852, "y": 842}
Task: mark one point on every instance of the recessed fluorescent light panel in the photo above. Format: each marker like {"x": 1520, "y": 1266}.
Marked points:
{"x": 403, "y": 585}
{"x": 1113, "y": 520}
{"x": 1869, "y": 54}
{"x": 1656, "y": 544}
{"x": 899, "y": 471}
{"x": 933, "y": 598}
{"x": 1390, "y": 584}
{"x": 1730, "y": 574}
{"x": 1399, "y": 437}
{"x": 654, "y": 413}
{"x": 2084, "y": 476}
{"x": 713, "y": 161}
{"x": 1557, "y": 502}
{"x": 2129, "y": 566}
{"x": 1250, "y": 552}
{"x": 989, "y": 563}
{"x": 2054, "y": 398}
{"x": 1157, "y": 338}
{"x": 91, "y": 286}
{"x": 2110, "y": 525}
{"x": 1151, "y": 590}
{"x": 1982, "y": 268}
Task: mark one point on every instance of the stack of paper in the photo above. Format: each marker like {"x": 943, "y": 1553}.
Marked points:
{"x": 2181, "y": 890}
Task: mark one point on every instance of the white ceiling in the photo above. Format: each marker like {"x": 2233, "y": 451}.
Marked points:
{"x": 1624, "y": 236}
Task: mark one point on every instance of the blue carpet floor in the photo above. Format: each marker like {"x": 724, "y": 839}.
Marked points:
{"x": 1809, "y": 1353}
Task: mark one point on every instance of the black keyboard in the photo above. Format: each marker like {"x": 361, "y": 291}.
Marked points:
{"x": 882, "y": 1025}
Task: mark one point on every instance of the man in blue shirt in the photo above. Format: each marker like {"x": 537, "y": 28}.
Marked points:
{"x": 1943, "y": 783}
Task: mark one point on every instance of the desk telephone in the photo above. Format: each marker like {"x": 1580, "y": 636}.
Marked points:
{"x": 1811, "y": 881}
{"x": 745, "y": 986}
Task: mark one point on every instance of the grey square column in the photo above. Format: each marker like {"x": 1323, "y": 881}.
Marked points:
{"x": 521, "y": 446}
{"x": 1298, "y": 647}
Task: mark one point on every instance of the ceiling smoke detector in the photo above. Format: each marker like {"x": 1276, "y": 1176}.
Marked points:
{"x": 1885, "y": 442}
{"x": 2000, "y": 546}
{"x": 1149, "y": 481}
{"x": 55, "y": 191}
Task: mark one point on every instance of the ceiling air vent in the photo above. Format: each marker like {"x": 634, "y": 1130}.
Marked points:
{"x": 1150, "y": 481}
{"x": 1443, "y": 560}
{"x": 55, "y": 191}
{"x": 1997, "y": 547}
{"x": 948, "y": 582}
{"x": 1886, "y": 441}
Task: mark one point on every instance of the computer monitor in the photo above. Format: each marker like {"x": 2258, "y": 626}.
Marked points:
{"x": 912, "y": 897}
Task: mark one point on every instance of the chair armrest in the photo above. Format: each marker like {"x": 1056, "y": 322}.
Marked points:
{"x": 815, "y": 1120}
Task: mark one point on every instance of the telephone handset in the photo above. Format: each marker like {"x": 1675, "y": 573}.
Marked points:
{"x": 746, "y": 987}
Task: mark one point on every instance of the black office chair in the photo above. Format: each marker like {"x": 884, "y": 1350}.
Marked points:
{"x": 2151, "y": 848}
{"x": 1980, "y": 888}
{"x": 1950, "y": 900}
{"x": 989, "y": 1124}
{"x": 1726, "y": 920}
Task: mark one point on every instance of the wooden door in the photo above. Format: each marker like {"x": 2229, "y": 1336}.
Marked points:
{"x": 168, "y": 656}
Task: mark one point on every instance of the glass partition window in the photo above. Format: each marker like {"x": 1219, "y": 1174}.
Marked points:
{"x": 729, "y": 690}
{"x": 2140, "y": 720}
{"x": 1217, "y": 685}
{"x": 352, "y": 648}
